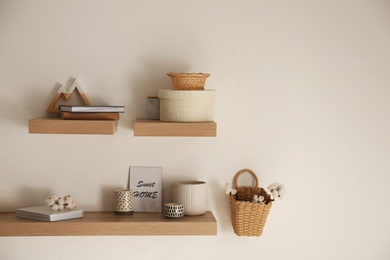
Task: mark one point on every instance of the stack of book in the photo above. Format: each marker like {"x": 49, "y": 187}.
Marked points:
{"x": 91, "y": 112}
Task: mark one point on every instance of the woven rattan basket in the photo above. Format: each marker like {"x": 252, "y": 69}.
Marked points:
{"x": 248, "y": 218}
{"x": 188, "y": 81}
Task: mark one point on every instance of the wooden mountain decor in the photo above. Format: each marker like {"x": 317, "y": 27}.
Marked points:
{"x": 67, "y": 94}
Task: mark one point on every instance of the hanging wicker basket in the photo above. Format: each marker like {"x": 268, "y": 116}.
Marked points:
{"x": 248, "y": 218}
{"x": 188, "y": 81}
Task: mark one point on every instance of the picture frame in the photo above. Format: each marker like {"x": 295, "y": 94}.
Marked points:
{"x": 146, "y": 184}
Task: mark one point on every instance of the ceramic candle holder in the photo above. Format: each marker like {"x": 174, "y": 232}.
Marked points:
{"x": 124, "y": 200}
{"x": 193, "y": 195}
{"x": 173, "y": 210}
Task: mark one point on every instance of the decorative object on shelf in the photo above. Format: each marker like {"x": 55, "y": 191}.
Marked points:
{"x": 186, "y": 106}
{"x": 89, "y": 120}
{"x": 56, "y": 208}
{"x": 188, "y": 81}
{"x": 153, "y": 108}
{"x": 124, "y": 201}
{"x": 185, "y": 110}
{"x": 146, "y": 184}
{"x": 67, "y": 94}
{"x": 44, "y": 213}
{"x": 173, "y": 210}
{"x": 57, "y": 203}
{"x": 92, "y": 109}
{"x": 193, "y": 195}
{"x": 250, "y": 205}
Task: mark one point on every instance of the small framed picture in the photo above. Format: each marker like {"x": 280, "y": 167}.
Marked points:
{"x": 146, "y": 184}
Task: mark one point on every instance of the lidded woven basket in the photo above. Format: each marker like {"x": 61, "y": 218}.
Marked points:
{"x": 188, "y": 81}
{"x": 186, "y": 106}
{"x": 248, "y": 218}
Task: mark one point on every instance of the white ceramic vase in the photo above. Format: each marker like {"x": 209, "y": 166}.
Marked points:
{"x": 193, "y": 195}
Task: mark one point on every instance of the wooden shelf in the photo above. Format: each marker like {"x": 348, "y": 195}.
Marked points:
{"x": 59, "y": 126}
{"x": 109, "y": 224}
{"x": 145, "y": 127}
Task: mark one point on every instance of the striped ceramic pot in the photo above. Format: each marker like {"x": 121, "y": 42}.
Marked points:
{"x": 193, "y": 195}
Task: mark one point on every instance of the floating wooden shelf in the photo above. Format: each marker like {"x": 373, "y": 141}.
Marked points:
{"x": 145, "y": 127}
{"x": 59, "y": 126}
{"x": 109, "y": 224}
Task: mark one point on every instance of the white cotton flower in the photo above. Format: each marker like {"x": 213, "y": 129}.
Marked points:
{"x": 258, "y": 199}
{"x": 275, "y": 193}
{"x": 277, "y": 190}
{"x": 54, "y": 197}
{"x": 255, "y": 199}
{"x": 229, "y": 189}
{"x": 261, "y": 200}
{"x": 60, "y": 201}
{"x": 69, "y": 199}
{"x": 282, "y": 191}
{"x": 49, "y": 202}
{"x": 71, "y": 206}
{"x": 273, "y": 186}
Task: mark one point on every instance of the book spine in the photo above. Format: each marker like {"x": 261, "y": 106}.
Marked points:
{"x": 89, "y": 116}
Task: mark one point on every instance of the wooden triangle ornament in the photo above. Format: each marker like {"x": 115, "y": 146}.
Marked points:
{"x": 67, "y": 94}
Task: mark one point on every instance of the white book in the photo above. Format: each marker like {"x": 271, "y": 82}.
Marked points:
{"x": 146, "y": 184}
{"x": 45, "y": 213}
{"x": 92, "y": 109}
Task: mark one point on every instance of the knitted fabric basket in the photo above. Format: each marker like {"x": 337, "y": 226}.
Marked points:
{"x": 248, "y": 218}
{"x": 188, "y": 81}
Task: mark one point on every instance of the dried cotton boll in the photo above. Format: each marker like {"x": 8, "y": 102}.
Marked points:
{"x": 261, "y": 200}
{"x": 55, "y": 207}
{"x": 61, "y": 207}
{"x": 277, "y": 190}
{"x": 229, "y": 189}
{"x": 274, "y": 193}
{"x": 60, "y": 201}
{"x": 258, "y": 199}
{"x": 69, "y": 202}
{"x": 49, "y": 202}
{"x": 273, "y": 186}
{"x": 54, "y": 197}
{"x": 282, "y": 191}
{"x": 69, "y": 199}
{"x": 71, "y": 205}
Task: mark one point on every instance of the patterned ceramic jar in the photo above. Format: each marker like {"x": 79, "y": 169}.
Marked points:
{"x": 173, "y": 210}
{"x": 124, "y": 200}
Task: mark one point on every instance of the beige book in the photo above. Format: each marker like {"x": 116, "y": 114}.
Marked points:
{"x": 89, "y": 116}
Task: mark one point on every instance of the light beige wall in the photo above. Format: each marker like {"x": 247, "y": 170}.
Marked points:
{"x": 303, "y": 98}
